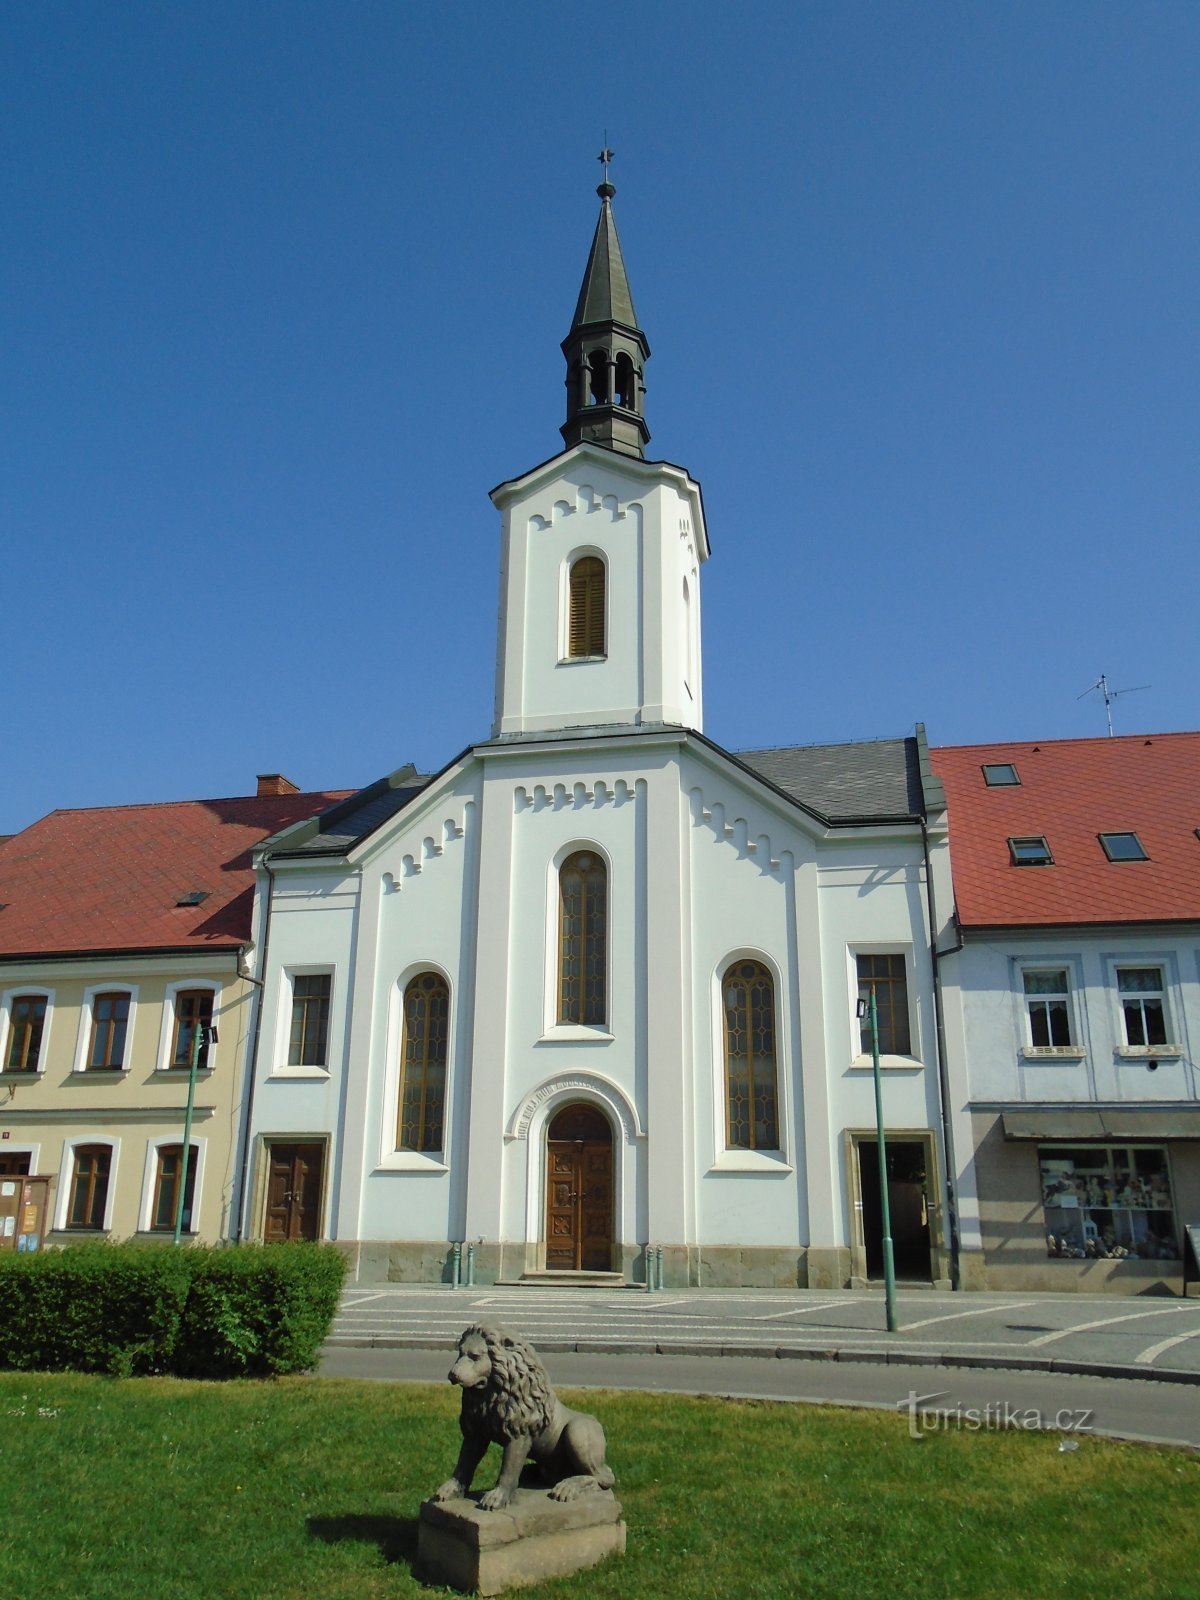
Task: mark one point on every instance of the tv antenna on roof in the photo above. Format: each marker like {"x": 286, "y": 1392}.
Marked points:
{"x": 1110, "y": 695}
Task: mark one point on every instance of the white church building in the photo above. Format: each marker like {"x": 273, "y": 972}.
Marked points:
{"x": 591, "y": 989}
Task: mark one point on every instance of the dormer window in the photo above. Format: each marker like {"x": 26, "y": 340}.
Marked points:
{"x": 1123, "y": 847}
{"x": 585, "y": 621}
{"x": 1031, "y": 851}
{"x": 1000, "y": 774}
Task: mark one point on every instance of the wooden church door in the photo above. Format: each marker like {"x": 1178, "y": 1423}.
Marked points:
{"x": 579, "y": 1191}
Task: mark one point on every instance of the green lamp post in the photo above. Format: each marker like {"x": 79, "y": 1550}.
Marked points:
{"x": 199, "y": 1031}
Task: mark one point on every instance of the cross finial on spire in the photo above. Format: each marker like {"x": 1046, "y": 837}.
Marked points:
{"x": 605, "y": 190}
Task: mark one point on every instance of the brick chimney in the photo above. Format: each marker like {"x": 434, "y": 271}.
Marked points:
{"x": 271, "y": 783}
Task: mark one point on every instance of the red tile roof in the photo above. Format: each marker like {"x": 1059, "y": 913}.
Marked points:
{"x": 109, "y": 879}
{"x": 1070, "y": 791}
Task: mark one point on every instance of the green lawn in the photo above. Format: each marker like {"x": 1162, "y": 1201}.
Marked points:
{"x": 305, "y": 1489}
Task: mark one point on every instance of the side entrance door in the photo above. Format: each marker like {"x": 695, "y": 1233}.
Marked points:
{"x": 579, "y": 1191}
{"x": 294, "y": 1179}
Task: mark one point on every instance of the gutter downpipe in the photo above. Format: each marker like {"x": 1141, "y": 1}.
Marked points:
{"x": 935, "y": 959}
{"x": 259, "y": 984}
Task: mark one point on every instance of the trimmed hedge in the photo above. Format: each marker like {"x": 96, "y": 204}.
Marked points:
{"x": 128, "y": 1309}
{"x": 258, "y": 1310}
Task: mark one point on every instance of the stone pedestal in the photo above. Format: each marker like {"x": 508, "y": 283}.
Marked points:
{"x": 486, "y": 1552}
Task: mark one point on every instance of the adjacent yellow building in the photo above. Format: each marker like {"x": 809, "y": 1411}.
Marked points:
{"x": 124, "y": 934}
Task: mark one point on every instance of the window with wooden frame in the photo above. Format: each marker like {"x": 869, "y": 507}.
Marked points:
{"x": 423, "y": 1052}
{"x": 26, "y": 1020}
{"x": 751, "y": 1090}
{"x": 167, "y": 1168}
{"x": 308, "y": 1042}
{"x": 89, "y": 1186}
{"x": 110, "y": 1022}
{"x": 888, "y": 976}
{"x": 583, "y": 940}
{"x": 585, "y": 609}
{"x": 193, "y": 1010}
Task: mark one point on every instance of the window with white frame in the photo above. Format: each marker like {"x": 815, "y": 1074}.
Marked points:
{"x": 308, "y": 1036}
{"x": 1047, "y": 1007}
{"x": 164, "y": 1203}
{"x": 191, "y": 1028}
{"x": 751, "y": 1076}
{"x": 424, "y": 1048}
{"x": 26, "y": 1026}
{"x": 109, "y": 1030}
{"x": 87, "y": 1196}
{"x": 1140, "y": 993}
{"x": 887, "y": 974}
{"x": 583, "y": 940}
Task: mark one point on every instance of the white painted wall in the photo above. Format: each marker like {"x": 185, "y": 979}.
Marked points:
{"x": 646, "y": 522}
{"x": 994, "y": 1039}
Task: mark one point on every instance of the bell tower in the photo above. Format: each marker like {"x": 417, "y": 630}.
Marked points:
{"x": 606, "y": 351}
{"x": 600, "y": 549}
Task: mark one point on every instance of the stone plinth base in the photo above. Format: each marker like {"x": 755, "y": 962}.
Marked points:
{"x": 486, "y": 1552}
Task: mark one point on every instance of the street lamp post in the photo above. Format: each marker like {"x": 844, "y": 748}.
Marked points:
{"x": 199, "y": 1031}
{"x": 868, "y": 1008}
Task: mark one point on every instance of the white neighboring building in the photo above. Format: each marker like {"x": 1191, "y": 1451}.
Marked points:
{"x": 592, "y": 987}
{"x": 1072, "y": 1009}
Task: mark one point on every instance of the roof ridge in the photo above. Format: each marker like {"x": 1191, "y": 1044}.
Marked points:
{"x": 163, "y": 805}
{"x": 1094, "y": 739}
{"x": 830, "y": 744}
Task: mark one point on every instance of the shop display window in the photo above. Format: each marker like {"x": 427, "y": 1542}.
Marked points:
{"x": 1108, "y": 1202}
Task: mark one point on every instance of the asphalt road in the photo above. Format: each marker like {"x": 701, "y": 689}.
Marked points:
{"x": 1158, "y": 1413}
{"x": 1074, "y": 1364}
{"x": 1147, "y": 1335}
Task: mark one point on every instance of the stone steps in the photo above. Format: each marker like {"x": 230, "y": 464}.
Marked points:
{"x": 568, "y": 1280}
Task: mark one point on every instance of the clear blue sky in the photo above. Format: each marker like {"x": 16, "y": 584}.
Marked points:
{"x": 283, "y": 286}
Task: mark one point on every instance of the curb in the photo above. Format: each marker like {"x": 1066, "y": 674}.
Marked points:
{"x": 890, "y": 1355}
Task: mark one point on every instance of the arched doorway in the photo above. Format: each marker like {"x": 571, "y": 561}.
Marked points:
{"x": 579, "y": 1191}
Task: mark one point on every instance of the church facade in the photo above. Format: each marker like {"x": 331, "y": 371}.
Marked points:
{"x": 591, "y": 991}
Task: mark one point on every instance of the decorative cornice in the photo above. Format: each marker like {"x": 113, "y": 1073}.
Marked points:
{"x": 711, "y": 814}
{"x": 431, "y": 848}
{"x": 616, "y": 792}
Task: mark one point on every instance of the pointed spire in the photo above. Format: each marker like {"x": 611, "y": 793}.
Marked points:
{"x": 606, "y": 351}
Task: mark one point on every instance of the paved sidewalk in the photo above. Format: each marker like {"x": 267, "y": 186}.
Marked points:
{"x": 1097, "y": 1335}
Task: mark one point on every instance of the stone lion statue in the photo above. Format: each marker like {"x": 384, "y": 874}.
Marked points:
{"x": 507, "y": 1400}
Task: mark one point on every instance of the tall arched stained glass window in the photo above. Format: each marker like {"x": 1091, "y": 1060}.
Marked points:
{"x": 585, "y": 621}
{"x": 748, "y": 1006}
{"x": 423, "y": 1063}
{"x": 583, "y": 940}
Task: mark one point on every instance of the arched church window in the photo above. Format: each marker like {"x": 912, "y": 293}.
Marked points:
{"x": 626, "y": 383}
{"x": 748, "y": 1006}
{"x": 583, "y": 940}
{"x": 423, "y": 1051}
{"x": 585, "y": 623}
{"x": 598, "y": 367}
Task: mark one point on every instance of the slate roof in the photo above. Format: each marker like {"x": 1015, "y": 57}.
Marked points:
{"x": 1071, "y": 790}
{"x": 873, "y": 781}
{"x": 604, "y": 295}
{"x": 353, "y": 818}
{"x": 109, "y": 878}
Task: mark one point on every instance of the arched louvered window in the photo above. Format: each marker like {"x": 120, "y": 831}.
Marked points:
{"x": 585, "y": 622}
{"x": 583, "y": 940}
{"x": 423, "y": 1050}
{"x": 626, "y": 383}
{"x": 748, "y": 1006}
